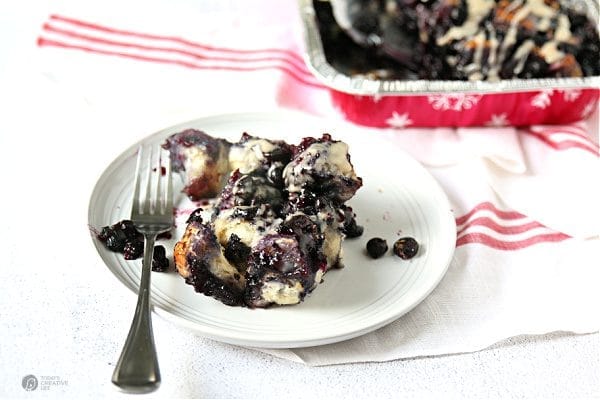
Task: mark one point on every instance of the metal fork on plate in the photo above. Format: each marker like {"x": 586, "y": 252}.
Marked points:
{"x": 151, "y": 213}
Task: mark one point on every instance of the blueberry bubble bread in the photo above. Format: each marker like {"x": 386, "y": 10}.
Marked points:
{"x": 278, "y": 220}
{"x": 476, "y": 39}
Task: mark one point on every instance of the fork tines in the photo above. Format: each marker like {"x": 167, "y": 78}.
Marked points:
{"x": 152, "y": 187}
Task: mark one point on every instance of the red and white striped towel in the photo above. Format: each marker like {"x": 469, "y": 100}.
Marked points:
{"x": 526, "y": 200}
{"x": 226, "y": 55}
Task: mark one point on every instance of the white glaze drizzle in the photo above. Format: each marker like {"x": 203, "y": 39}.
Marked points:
{"x": 521, "y": 55}
{"x": 477, "y": 10}
{"x": 474, "y": 69}
{"x": 493, "y": 54}
{"x": 499, "y": 50}
{"x": 509, "y": 40}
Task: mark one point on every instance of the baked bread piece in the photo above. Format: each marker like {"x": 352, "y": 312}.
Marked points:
{"x": 202, "y": 159}
{"x": 278, "y": 222}
{"x": 474, "y": 39}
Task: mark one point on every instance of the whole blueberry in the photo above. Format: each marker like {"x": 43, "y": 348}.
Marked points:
{"x": 376, "y": 247}
{"x": 160, "y": 262}
{"x": 406, "y": 248}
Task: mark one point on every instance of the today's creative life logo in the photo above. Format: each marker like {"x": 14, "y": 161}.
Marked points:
{"x": 29, "y": 383}
{"x": 44, "y": 382}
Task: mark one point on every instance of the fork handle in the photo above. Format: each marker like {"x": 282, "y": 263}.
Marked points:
{"x": 137, "y": 369}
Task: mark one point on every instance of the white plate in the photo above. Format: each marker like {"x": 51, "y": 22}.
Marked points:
{"x": 399, "y": 198}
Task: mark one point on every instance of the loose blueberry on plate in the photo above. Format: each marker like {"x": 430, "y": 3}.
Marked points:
{"x": 406, "y": 248}
{"x": 376, "y": 247}
{"x": 160, "y": 262}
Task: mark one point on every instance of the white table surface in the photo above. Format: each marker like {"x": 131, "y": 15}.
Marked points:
{"x": 64, "y": 317}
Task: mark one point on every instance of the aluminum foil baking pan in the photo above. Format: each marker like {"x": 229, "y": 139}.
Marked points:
{"x": 401, "y": 103}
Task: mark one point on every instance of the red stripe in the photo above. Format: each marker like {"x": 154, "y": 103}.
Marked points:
{"x": 95, "y": 39}
{"x": 507, "y": 230}
{"x": 563, "y": 144}
{"x": 175, "y": 39}
{"x": 567, "y": 130}
{"x": 490, "y": 241}
{"x": 48, "y": 42}
{"x": 490, "y": 207}
{"x": 575, "y": 129}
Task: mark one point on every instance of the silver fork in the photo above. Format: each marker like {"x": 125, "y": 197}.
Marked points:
{"x": 152, "y": 213}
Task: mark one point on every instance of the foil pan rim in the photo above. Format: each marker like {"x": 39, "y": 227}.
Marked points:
{"x": 317, "y": 63}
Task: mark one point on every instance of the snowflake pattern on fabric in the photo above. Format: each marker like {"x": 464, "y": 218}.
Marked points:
{"x": 453, "y": 101}
{"x": 498, "y": 120}
{"x": 399, "y": 120}
{"x": 542, "y": 99}
{"x": 571, "y": 95}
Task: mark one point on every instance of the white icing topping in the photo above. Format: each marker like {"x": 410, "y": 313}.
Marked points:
{"x": 543, "y": 25}
{"x": 249, "y": 155}
{"x": 521, "y": 55}
{"x": 550, "y": 50}
{"x": 474, "y": 69}
{"x": 493, "y": 54}
{"x": 540, "y": 9}
{"x": 477, "y": 10}
{"x": 260, "y": 190}
{"x": 327, "y": 157}
{"x": 335, "y": 157}
{"x": 563, "y": 29}
{"x": 551, "y": 53}
{"x": 517, "y": 11}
